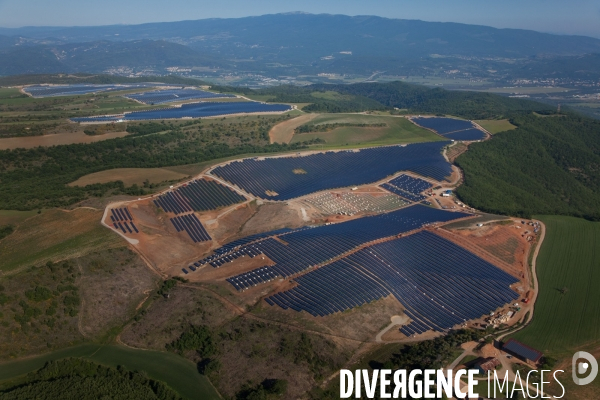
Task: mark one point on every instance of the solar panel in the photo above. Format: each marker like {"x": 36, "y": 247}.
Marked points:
{"x": 439, "y": 283}
{"x": 284, "y": 178}
{"x": 198, "y": 195}
{"x": 171, "y": 95}
{"x": 192, "y": 226}
{"x": 192, "y": 110}
{"x": 309, "y": 247}
{"x": 451, "y": 128}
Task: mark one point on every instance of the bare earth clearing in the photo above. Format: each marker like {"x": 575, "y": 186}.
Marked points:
{"x": 283, "y": 132}
{"x": 29, "y": 142}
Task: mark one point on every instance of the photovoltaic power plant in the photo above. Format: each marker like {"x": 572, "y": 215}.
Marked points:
{"x": 296, "y": 250}
{"x": 190, "y": 224}
{"x": 198, "y": 195}
{"x": 451, "y": 128}
{"x": 122, "y": 219}
{"x": 440, "y": 283}
{"x": 171, "y": 95}
{"x": 407, "y": 187}
{"x": 276, "y": 178}
{"x": 79, "y": 89}
{"x": 192, "y": 110}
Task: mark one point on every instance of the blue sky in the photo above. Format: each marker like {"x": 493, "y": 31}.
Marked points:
{"x": 580, "y": 17}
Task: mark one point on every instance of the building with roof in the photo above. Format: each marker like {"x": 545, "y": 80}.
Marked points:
{"x": 487, "y": 364}
{"x": 522, "y": 351}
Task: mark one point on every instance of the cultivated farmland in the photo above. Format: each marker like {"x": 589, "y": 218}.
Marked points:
{"x": 567, "y": 315}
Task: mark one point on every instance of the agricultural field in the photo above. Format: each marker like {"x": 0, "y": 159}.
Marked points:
{"x": 396, "y": 130}
{"x": 494, "y": 126}
{"x": 131, "y": 176}
{"x": 567, "y": 270}
{"x": 177, "y": 372}
{"x": 55, "y": 235}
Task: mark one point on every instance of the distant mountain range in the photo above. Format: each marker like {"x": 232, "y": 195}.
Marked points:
{"x": 100, "y": 56}
{"x": 294, "y": 43}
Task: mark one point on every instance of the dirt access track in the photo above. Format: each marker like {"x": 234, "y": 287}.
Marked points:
{"x": 167, "y": 251}
{"x": 283, "y": 132}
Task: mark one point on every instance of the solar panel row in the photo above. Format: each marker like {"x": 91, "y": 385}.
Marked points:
{"x": 298, "y": 250}
{"x": 203, "y": 195}
{"x": 119, "y": 215}
{"x": 440, "y": 284}
{"x": 173, "y": 202}
{"x": 192, "y": 226}
{"x": 467, "y": 134}
{"x": 278, "y": 178}
{"x": 410, "y": 184}
{"x": 192, "y": 110}
{"x": 405, "y": 195}
{"x": 198, "y": 195}
{"x": 69, "y": 90}
{"x": 455, "y": 129}
{"x": 171, "y": 95}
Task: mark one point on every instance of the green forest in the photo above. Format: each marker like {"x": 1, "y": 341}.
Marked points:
{"x": 39, "y": 177}
{"x": 81, "y": 380}
{"x": 547, "y": 165}
{"x": 387, "y": 96}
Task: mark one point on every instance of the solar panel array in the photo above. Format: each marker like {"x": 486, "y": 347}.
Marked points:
{"x": 192, "y": 226}
{"x": 192, "y": 110}
{"x": 122, "y": 219}
{"x": 275, "y": 179}
{"x": 198, "y": 195}
{"x": 438, "y": 282}
{"x": 171, "y": 95}
{"x": 408, "y": 187}
{"x": 78, "y": 89}
{"x": 455, "y": 129}
{"x": 297, "y": 250}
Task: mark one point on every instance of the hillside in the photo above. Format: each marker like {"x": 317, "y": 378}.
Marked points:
{"x": 299, "y": 43}
{"x": 545, "y": 166}
{"x": 99, "y": 56}
{"x": 323, "y": 34}
{"x": 102, "y": 79}
{"x": 379, "y": 96}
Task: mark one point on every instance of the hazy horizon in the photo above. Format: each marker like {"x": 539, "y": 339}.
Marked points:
{"x": 579, "y": 17}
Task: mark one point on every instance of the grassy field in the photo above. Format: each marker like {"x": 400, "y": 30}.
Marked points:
{"x": 8, "y": 217}
{"x": 398, "y": 130}
{"x": 55, "y": 235}
{"x": 63, "y": 138}
{"x": 177, "y": 372}
{"x": 130, "y": 176}
{"x": 569, "y": 258}
{"x": 494, "y": 126}
{"x": 283, "y": 132}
